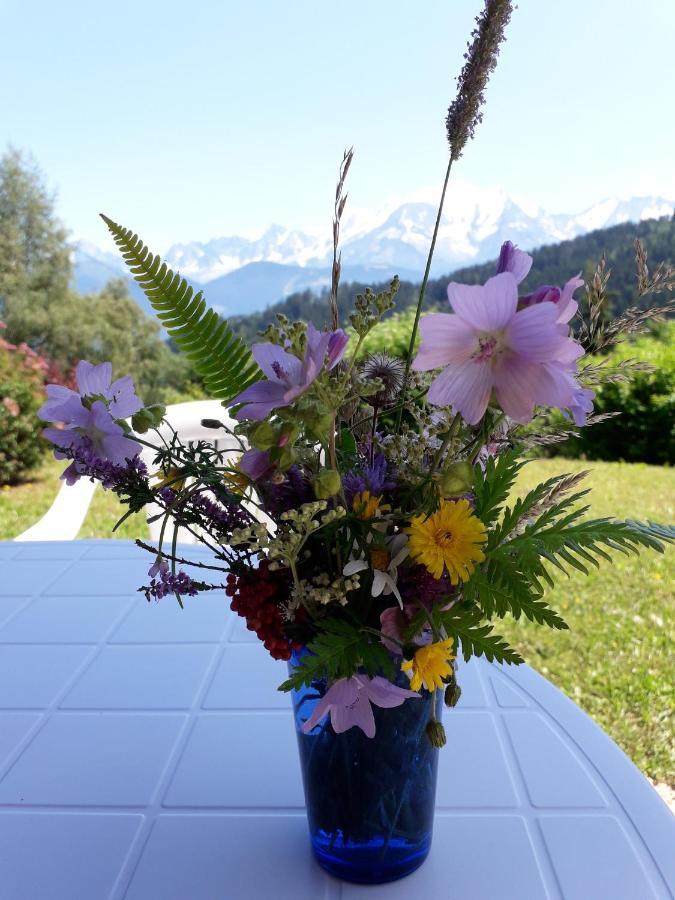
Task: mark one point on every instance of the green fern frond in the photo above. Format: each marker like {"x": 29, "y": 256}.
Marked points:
{"x": 492, "y": 487}
{"x": 338, "y": 651}
{"x": 476, "y": 637}
{"x": 223, "y": 360}
{"x": 503, "y": 589}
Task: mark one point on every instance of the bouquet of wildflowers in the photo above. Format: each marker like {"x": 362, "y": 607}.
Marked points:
{"x": 361, "y": 518}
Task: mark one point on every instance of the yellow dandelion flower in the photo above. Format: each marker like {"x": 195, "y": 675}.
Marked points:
{"x": 367, "y": 505}
{"x": 452, "y": 538}
{"x": 430, "y": 665}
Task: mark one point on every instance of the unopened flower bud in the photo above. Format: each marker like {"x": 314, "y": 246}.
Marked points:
{"x": 436, "y": 733}
{"x": 148, "y": 417}
{"x": 457, "y": 479}
{"x": 263, "y": 436}
{"x": 326, "y": 484}
{"x": 452, "y": 694}
{"x": 212, "y": 423}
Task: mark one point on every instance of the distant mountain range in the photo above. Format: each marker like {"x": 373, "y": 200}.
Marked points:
{"x": 242, "y": 276}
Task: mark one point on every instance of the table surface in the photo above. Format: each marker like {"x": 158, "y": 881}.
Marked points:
{"x": 146, "y": 754}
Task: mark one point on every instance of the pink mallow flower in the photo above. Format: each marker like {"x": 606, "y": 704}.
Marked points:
{"x": 349, "y": 703}
{"x": 525, "y": 357}
{"x": 289, "y": 377}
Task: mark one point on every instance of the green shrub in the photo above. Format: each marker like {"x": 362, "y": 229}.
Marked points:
{"x": 644, "y": 430}
{"x": 22, "y": 377}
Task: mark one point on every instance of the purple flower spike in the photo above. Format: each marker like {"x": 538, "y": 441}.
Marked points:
{"x": 513, "y": 260}
{"x": 289, "y": 377}
{"x": 349, "y": 703}
{"x": 163, "y": 582}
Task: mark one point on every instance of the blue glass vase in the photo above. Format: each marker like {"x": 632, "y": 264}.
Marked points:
{"x": 370, "y": 801}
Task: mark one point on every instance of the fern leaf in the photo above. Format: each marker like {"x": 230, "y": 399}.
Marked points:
{"x": 338, "y": 651}
{"x": 491, "y": 488}
{"x": 477, "y": 638}
{"x": 503, "y": 590}
{"x": 222, "y": 360}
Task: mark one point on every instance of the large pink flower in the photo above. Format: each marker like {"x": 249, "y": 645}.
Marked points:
{"x": 349, "y": 700}
{"x": 525, "y": 357}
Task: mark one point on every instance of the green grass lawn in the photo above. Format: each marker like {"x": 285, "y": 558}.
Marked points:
{"x": 616, "y": 661}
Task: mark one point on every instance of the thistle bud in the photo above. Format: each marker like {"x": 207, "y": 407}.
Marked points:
{"x": 326, "y": 484}
{"x": 452, "y": 694}
{"x": 457, "y": 479}
{"x": 436, "y": 733}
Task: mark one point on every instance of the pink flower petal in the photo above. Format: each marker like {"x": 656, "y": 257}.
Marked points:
{"x": 359, "y": 714}
{"x": 445, "y": 339}
{"x": 554, "y": 386}
{"x": 255, "y": 463}
{"x": 260, "y": 399}
{"x": 336, "y": 348}
{"x": 382, "y": 692}
{"x": 487, "y": 307}
{"x": 515, "y": 384}
{"x": 513, "y": 260}
{"x": 567, "y": 306}
{"x": 465, "y": 387}
{"x": 278, "y": 366}
{"x": 392, "y": 623}
{"x": 569, "y": 353}
{"x": 321, "y": 710}
{"x": 93, "y": 379}
{"x": 533, "y": 333}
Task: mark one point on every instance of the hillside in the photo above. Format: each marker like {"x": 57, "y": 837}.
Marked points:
{"x": 553, "y": 264}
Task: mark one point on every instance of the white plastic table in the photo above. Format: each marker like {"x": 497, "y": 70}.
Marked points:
{"x": 145, "y": 754}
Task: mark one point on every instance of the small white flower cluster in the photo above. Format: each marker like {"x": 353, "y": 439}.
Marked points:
{"x": 297, "y": 525}
{"x": 321, "y": 591}
{"x": 255, "y": 536}
{"x": 409, "y": 451}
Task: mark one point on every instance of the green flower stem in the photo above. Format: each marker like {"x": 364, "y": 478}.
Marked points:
{"x": 449, "y": 437}
{"x": 420, "y": 301}
{"x": 380, "y": 635}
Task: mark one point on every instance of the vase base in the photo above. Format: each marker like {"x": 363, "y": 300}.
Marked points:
{"x": 371, "y": 864}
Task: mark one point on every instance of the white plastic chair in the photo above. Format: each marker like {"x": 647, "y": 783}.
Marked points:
{"x": 65, "y": 517}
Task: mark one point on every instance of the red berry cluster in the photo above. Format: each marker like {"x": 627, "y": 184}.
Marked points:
{"x": 256, "y": 596}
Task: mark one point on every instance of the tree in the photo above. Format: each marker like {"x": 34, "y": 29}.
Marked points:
{"x": 35, "y": 265}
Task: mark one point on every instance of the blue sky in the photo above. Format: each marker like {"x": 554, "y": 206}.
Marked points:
{"x": 187, "y": 121}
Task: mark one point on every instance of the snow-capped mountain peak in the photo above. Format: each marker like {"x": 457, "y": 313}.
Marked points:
{"x": 247, "y": 274}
